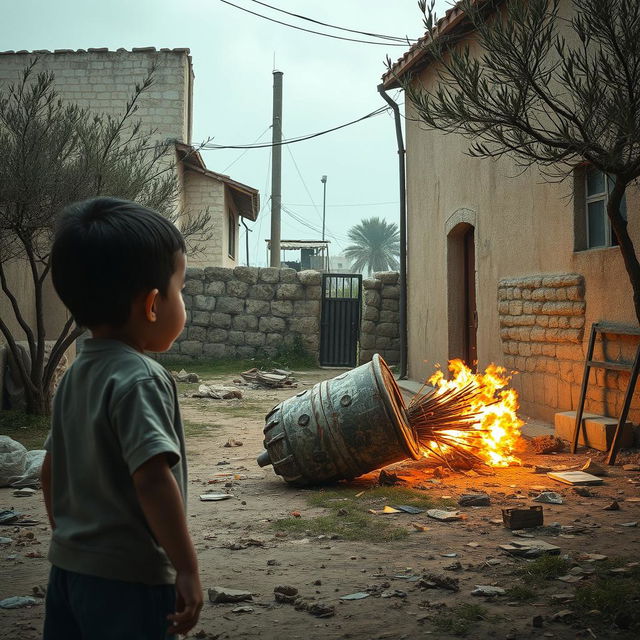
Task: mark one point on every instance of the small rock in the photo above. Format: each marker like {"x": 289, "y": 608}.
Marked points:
{"x": 562, "y": 616}
{"x": 222, "y": 594}
{"x": 286, "y": 589}
{"x": 585, "y": 492}
{"x": 613, "y": 506}
{"x": 232, "y": 442}
{"x": 474, "y": 500}
{"x": 26, "y": 492}
{"x": 487, "y": 590}
{"x": 273, "y": 563}
{"x": 243, "y": 609}
{"x": 628, "y": 524}
{"x": 537, "y": 621}
{"x": 549, "y": 497}
{"x": 593, "y": 467}
{"x": 547, "y": 444}
{"x": 317, "y": 583}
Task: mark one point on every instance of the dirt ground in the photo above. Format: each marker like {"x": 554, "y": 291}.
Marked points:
{"x": 240, "y": 547}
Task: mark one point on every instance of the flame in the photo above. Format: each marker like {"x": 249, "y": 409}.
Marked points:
{"x": 498, "y": 428}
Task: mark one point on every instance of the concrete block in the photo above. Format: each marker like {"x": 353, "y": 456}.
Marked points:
{"x": 597, "y": 432}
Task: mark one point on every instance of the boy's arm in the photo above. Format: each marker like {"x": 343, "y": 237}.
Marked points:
{"x": 161, "y": 502}
{"x": 45, "y": 481}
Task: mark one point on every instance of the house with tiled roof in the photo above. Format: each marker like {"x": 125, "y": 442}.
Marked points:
{"x": 505, "y": 266}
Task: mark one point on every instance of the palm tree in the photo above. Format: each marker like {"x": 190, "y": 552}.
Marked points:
{"x": 376, "y": 245}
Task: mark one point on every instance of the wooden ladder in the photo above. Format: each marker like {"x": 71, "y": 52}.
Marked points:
{"x": 596, "y": 328}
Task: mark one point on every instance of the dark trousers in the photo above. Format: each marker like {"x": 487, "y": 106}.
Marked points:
{"x": 81, "y": 607}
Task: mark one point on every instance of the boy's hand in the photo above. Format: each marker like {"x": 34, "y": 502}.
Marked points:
{"x": 188, "y": 603}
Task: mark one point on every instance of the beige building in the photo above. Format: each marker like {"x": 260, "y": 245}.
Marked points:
{"x": 506, "y": 267}
{"x": 102, "y": 81}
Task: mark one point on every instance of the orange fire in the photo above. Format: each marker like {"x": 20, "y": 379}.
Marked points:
{"x": 498, "y": 424}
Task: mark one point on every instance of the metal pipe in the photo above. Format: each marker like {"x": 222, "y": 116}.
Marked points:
{"x": 403, "y": 232}
{"x": 246, "y": 235}
{"x": 324, "y": 202}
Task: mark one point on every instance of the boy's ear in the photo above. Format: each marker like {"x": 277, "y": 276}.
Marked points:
{"x": 150, "y": 305}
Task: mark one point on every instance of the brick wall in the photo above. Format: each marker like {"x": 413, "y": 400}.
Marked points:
{"x": 544, "y": 339}
{"x": 381, "y": 318}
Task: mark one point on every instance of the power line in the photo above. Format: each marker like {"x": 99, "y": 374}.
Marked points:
{"x": 245, "y": 151}
{"x": 362, "y": 204}
{"x": 211, "y": 146}
{"x": 404, "y": 41}
{"x": 318, "y": 33}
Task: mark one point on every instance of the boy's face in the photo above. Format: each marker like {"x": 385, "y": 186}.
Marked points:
{"x": 169, "y": 309}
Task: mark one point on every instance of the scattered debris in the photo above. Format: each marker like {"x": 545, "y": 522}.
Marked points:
{"x": 530, "y": 548}
{"x": 613, "y": 506}
{"x": 574, "y": 477}
{"x": 17, "y": 602}
{"x": 631, "y": 467}
{"x": 474, "y": 500}
{"x": 384, "y": 511}
{"x": 4, "y": 540}
{"x": 547, "y": 444}
{"x": 435, "y": 581}
{"x": 444, "y": 516}
{"x": 594, "y": 468}
{"x": 389, "y": 478}
{"x": 222, "y": 594}
{"x": 24, "y": 493}
{"x": 585, "y": 492}
{"x": 488, "y": 591}
{"x": 407, "y": 508}
{"x": 628, "y": 524}
{"x": 393, "y": 593}
{"x": 285, "y": 594}
{"x": 183, "y": 376}
{"x": 11, "y": 518}
{"x": 317, "y": 609}
{"x": 454, "y": 566}
{"x": 215, "y": 497}
{"x": 359, "y": 595}
{"x": 274, "y": 379}
{"x": 242, "y": 609}
{"x": 420, "y": 527}
{"x": 217, "y": 392}
{"x": 523, "y": 518}
{"x": 232, "y": 442}
{"x": 591, "y": 557}
{"x": 570, "y": 578}
{"x": 549, "y": 497}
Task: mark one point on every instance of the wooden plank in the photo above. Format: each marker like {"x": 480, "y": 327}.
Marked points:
{"x": 613, "y": 366}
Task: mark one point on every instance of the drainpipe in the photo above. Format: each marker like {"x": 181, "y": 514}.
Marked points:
{"x": 403, "y": 233}
{"x": 246, "y": 237}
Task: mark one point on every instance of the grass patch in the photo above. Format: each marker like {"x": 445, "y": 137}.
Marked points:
{"x": 194, "y": 429}
{"x": 29, "y": 430}
{"x": 520, "y": 593}
{"x": 349, "y": 518}
{"x": 542, "y": 569}
{"x": 375, "y": 497}
{"x": 615, "y": 597}
{"x": 459, "y": 619}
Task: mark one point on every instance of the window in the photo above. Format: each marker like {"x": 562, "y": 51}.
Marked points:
{"x": 232, "y": 234}
{"x": 597, "y": 187}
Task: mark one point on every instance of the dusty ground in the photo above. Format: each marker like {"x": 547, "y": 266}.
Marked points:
{"x": 253, "y": 542}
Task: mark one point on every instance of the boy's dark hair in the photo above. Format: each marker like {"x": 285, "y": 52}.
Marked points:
{"x": 105, "y": 252}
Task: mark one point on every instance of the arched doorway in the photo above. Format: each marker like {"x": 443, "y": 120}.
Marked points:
{"x": 461, "y": 294}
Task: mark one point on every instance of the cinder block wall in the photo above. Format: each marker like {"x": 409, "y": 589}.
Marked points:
{"x": 381, "y": 318}
{"x": 102, "y": 81}
{"x": 237, "y": 313}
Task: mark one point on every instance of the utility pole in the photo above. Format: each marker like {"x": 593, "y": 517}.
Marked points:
{"x": 276, "y": 171}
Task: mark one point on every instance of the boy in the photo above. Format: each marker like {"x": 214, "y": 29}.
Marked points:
{"x": 114, "y": 477}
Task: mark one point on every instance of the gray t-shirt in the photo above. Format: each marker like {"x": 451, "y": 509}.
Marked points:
{"x": 115, "y": 409}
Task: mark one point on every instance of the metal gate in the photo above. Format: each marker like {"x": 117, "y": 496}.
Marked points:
{"x": 340, "y": 322}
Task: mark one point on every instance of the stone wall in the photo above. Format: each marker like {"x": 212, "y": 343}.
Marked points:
{"x": 381, "y": 318}
{"x": 242, "y": 312}
{"x": 542, "y": 326}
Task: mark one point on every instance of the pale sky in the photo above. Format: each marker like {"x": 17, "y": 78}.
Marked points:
{"x": 327, "y": 82}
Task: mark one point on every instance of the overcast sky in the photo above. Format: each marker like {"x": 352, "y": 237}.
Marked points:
{"x": 327, "y": 82}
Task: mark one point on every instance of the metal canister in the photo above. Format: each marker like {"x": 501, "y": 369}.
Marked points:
{"x": 340, "y": 428}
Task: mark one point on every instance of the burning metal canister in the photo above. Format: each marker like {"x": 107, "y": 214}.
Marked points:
{"x": 340, "y": 429}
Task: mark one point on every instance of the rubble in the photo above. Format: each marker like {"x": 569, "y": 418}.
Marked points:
{"x": 547, "y": 444}
{"x": 217, "y": 392}
{"x": 183, "y": 376}
{"x": 594, "y": 468}
{"x": 549, "y": 497}
{"x": 444, "y": 516}
{"x": 435, "y": 581}
{"x": 488, "y": 591}
{"x": 530, "y": 548}
{"x": 274, "y": 379}
{"x": 474, "y": 500}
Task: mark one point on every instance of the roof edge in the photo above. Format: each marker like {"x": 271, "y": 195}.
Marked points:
{"x": 36, "y": 52}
